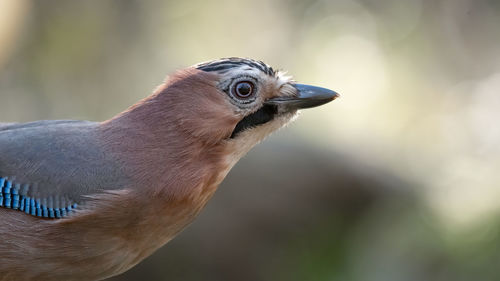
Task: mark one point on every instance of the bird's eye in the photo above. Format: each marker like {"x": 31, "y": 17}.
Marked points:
{"x": 243, "y": 89}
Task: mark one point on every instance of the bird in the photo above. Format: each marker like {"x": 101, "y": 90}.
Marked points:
{"x": 82, "y": 200}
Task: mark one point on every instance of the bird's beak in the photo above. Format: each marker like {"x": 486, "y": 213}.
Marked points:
{"x": 307, "y": 96}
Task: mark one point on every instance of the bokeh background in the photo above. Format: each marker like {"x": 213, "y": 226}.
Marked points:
{"x": 396, "y": 180}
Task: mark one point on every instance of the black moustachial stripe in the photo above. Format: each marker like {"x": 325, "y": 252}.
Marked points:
{"x": 265, "y": 114}
{"x": 225, "y": 64}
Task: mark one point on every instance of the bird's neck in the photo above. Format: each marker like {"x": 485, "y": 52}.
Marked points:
{"x": 156, "y": 151}
{"x": 162, "y": 158}
{"x": 172, "y": 176}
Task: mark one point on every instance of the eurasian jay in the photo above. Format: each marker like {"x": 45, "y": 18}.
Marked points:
{"x": 85, "y": 200}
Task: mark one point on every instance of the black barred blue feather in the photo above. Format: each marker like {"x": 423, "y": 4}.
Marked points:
{"x": 49, "y": 168}
{"x": 15, "y": 196}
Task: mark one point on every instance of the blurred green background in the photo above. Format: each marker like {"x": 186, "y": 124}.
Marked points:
{"x": 396, "y": 180}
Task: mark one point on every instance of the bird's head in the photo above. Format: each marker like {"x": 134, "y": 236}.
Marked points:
{"x": 234, "y": 102}
{"x": 260, "y": 98}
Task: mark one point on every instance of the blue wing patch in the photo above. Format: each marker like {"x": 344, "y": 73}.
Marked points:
{"x": 15, "y": 196}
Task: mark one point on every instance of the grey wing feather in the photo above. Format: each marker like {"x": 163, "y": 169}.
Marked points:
{"x": 54, "y": 164}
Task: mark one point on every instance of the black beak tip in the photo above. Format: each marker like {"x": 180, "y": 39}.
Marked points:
{"x": 307, "y": 97}
{"x": 332, "y": 96}
{"x": 315, "y": 96}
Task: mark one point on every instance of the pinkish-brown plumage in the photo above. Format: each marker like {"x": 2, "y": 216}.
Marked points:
{"x": 168, "y": 153}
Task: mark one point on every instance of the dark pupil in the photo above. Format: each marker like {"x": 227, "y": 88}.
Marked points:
{"x": 244, "y": 89}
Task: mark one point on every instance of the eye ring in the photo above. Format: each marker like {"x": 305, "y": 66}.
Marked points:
{"x": 243, "y": 89}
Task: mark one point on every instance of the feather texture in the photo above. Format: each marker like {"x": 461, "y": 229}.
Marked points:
{"x": 138, "y": 178}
